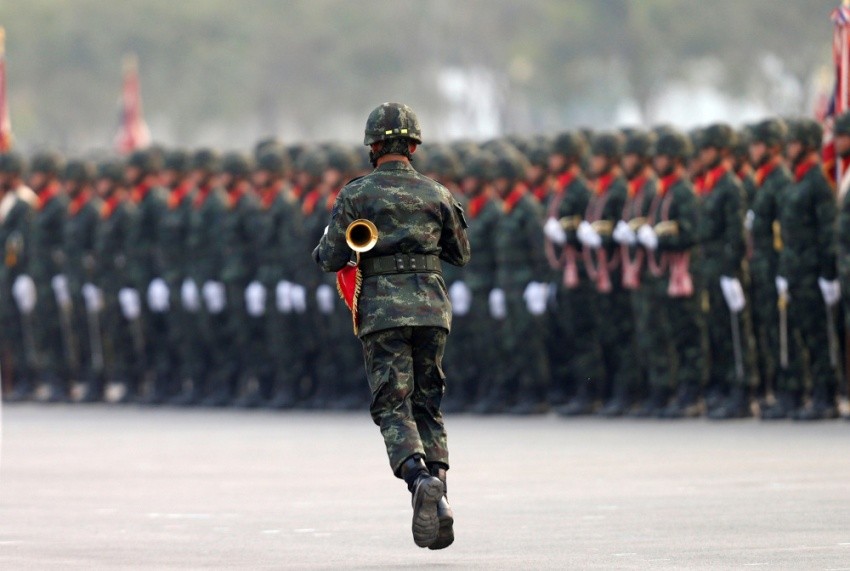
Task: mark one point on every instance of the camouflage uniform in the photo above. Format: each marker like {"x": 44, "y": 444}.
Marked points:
{"x": 404, "y": 317}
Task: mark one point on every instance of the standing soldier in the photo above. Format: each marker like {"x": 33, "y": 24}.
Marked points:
{"x": 771, "y": 179}
{"x": 174, "y": 249}
{"x": 521, "y": 292}
{"x": 574, "y": 348}
{"x": 145, "y": 266}
{"x": 676, "y": 358}
{"x": 642, "y": 183}
{"x": 807, "y": 278}
{"x": 121, "y": 334}
{"x": 842, "y": 149}
{"x": 80, "y": 239}
{"x": 16, "y": 212}
{"x": 404, "y": 308}
{"x": 722, "y": 206}
{"x": 47, "y": 267}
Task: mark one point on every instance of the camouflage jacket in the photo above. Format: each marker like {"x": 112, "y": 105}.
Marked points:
{"x": 15, "y": 222}
{"x": 241, "y": 224}
{"x": 414, "y": 215}
{"x": 145, "y": 256}
{"x": 80, "y": 239}
{"x": 206, "y": 235}
{"x": 842, "y": 240}
{"x": 280, "y": 240}
{"x": 112, "y": 243}
{"x": 520, "y": 257}
{"x": 174, "y": 235}
{"x": 46, "y": 254}
{"x": 808, "y": 220}
{"x": 766, "y": 205}
{"x": 483, "y": 216}
{"x": 721, "y": 225}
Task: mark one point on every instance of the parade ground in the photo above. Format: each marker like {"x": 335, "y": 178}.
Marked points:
{"x": 109, "y": 487}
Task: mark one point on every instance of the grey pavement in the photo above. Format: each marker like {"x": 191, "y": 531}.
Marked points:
{"x": 91, "y": 487}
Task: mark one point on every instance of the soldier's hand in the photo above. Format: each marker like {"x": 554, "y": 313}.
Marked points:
{"x": 24, "y": 292}
{"x": 255, "y": 299}
{"x": 283, "y": 296}
{"x": 461, "y": 298}
{"x": 733, "y": 293}
{"x": 647, "y": 237}
{"x": 130, "y": 302}
{"x": 588, "y": 236}
{"x": 190, "y": 296}
{"x": 59, "y": 283}
{"x": 157, "y": 296}
{"x": 325, "y": 299}
{"x": 214, "y": 296}
{"x": 623, "y": 234}
{"x": 498, "y": 304}
{"x": 830, "y": 290}
{"x": 298, "y": 295}
{"x": 782, "y": 287}
{"x": 93, "y": 297}
{"x": 555, "y": 232}
{"x": 535, "y": 296}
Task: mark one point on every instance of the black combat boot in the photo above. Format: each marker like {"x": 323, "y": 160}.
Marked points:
{"x": 158, "y": 393}
{"x": 494, "y": 402}
{"x": 579, "y": 405}
{"x": 427, "y": 492}
{"x": 532, "y": 401}
{"x": 21, "y": 392}
{"x": 654, "y": 405}
{"x": 617, "y": 405}
{"x": 189, "y": 396}
{"x": 130, "y": 396}
{"x": 822, "y": 405}
{"x": 736, "y": 405}
{"x": 446, "y": 535}
{"x": 57, "y": 390}
{"x": 685, "y": 404}
{"x": 786, "y": 406}
{"x": 94, "y": 390}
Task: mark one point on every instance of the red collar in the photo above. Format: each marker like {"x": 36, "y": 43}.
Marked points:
{"x": 711, "y": 178}
{"x": 766, "y": 169}
{"x": 540, "y": 192}
{"x": 329, "y": 203}
{"x": 236, "y": 193}
{"x": 638, "y": 182}
{"x": 804, "y": 167}
{"x": 203, "y": 194}
{"x": 109, "y": 205}
{"x": 745, "y": 171}
{"x": 603, "y": 183}
{"x": 565, "y": 179}
{"x": 78, "y": 203}
{"x": 310, "y": 200}
{"x": 477, "y": 204}
{"x": 667, "y": 183}
{"x": 270, "y": 193}
{"x": 515, "y": 196}
{"x": 178, "y": 194}
{"x": 47, "y": 194}
{"x": 140, "y": 192}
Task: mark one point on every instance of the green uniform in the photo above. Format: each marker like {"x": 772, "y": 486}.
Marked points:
{"x": 404, "y": 314}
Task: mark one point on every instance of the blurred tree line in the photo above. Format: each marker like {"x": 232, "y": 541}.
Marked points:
{"x": 224, "y": 73}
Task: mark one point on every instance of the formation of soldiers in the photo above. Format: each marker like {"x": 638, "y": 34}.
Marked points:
{"x": 643, "y": 273}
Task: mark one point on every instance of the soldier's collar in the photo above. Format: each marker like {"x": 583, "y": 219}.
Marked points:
{"x": 394, "y": 166}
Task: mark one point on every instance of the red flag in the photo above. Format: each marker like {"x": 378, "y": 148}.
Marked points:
{"x": 840, "y": 103}
{"x": 133, "y": 133}
{"x": 5, "y": 124}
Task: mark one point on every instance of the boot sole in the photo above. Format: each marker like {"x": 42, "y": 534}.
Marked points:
{"x": 445, "y": 535}
{"x": 426, "y": 523}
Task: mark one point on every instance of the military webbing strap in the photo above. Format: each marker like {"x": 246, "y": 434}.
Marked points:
{"x": 400, "y": 264}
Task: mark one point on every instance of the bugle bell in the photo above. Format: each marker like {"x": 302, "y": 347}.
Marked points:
{"x": 361, "y": 235}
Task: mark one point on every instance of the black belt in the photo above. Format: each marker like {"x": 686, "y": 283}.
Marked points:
{"x": 400, "y": 264}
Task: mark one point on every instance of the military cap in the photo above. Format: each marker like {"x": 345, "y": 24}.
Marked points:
{"x": 273, "y": 161}
{"x": 339, "y": 158}
{"x": 481, "y": 165}
{"x": 112, "y": 170}
{"x": 806, "y": 131}
{"x": 538, "y": 153}
{"x": 510, "y": 165}
{"x": 147, "y": 161}
{"x": 444, "y": 162}
{"x": 842, "y": 124}
{"x": 392, "y": 121}
{"x": 177, "y": 160}
{"x": 267, "y": 144}
{"x": 79, "y": 171}
{"x": 608, "y": 145}
{"x": 770, "y": 132}
{"x": 313, "y": 162}
{"x": 46, "y": 162}
{"x": 13, "y": 163}
{"x": 236, "y": 164}
{"x": 638, "y": 143}
{"x": 206, "y": 160}
{"x": 570, "y": 144}
{"x": 673, "y": 144}
{"x": 717, "y": 136}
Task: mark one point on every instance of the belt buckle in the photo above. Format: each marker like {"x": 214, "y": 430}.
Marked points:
{"x": 399, "y": 262}
{"x": 413, "y": 262}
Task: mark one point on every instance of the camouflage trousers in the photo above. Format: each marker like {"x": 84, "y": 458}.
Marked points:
{"x": 723, "y": 371}
{"x": 525, "y": 369}
{"x": 808, "y": 344}
{"x": 765, "y": 314}
{"x": 404, "y": 367}
{"x": 586, "y": 364}
{"x": 676, "y": 339}
{"x": 481, "y": 349}
{"x": 616, "y": 326}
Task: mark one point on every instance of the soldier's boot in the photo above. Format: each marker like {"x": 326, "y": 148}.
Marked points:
{"x": 715, "y": 397}
{"x": 685, "y": 404}
{"x": 618, "y": 405}
{"x": 130, "y": 396}
{"x": 94, "y": 390}
{"x": 220, "y": 394}
{"x": 158, "y": 393}
{"x": 426, "y": 491}
{"x": 737, "y": 405}
{"x": 21, "y": 392}
{"x": 188, "y": 397}
{"x": 531, "y": 401}
{"x": 495, "y": 401}
{"x": 446, "y": 534}
{"x": 579, "y": 405}
{"x": 786, "y": 405}
{"x": 251, "y": 396}
{"x": 654, "y": 405}
{"x": 57, "y": 390}
{"x": 284, "y": 396}
{"x": 454, "y": 401}
{"x": 822, "y": 406}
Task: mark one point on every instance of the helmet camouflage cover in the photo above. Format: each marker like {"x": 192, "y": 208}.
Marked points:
{"x": 392, "y": 121}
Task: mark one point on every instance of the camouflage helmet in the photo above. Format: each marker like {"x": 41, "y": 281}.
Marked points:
{"x": 147, "y": 161}
{"x": 46, "y": 162}
{"x": 638, "y": 143}
{"x": 771, "y": 132}
{"x": 277, "y": 163}
{"x": 718, "y": 136}
{"x": 12, "y": 163}
{"x": 236, "y": 164}
{"x": 444, "y": 163}
{"x": 607, "y": 145}
{"x": 340, "y": 159}
{"x": 481, "y": 165}
{"x": 808, "y": 132}
{"x": 673, "y": 144}
{"x": 510, "y": 165}
{"x": 112, "y": 170}
{"x": 570, "y": 144}
{"x": 267, "y": 144}
{"x": 206, "y": 160}
{"x": 313, "y": 162}
{"x": 177, "y": 160}
{"x": 392, "y": 121}
{"x": 842, "y": 124}
{"x": 538, "y": 153}
{"x": 78, "y": 171}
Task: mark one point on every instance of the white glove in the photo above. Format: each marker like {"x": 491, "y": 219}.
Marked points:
{"x": 190, "y": 296}
{"x": 782, "y": 286}
{"x": 461, "y": 298}
{"x": 733, "y": 293}
{"x": 555, "y": 232}
{"x": 131, "y": 303}
{"x": 255, "y": 299}
{"x": 588, "y": 236}
{"x": 60, "y": 289}
{"x": 93, "y": 297}
{"x": 646, "y": 236}
{"x": 283, "y": 296}
{"x": 214, "y": 296}
{"x": 830, "y": 290}
{"x": 748, "y": 220}
{"x": 24, "y": 293}
{"x": 158, "y": 296}
{"x": 298, "y": 295}
{"x": 535, "y": 295}
{"x": 326, "y": 231}
{"x": 498, "y": 305}
{"x": 325, "y": 299}
{"x": 623, "y": 234}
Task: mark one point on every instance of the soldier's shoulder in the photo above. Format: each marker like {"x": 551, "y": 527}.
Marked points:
{"x": 26, "y": 195}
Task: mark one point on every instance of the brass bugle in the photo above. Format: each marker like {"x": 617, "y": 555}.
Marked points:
{"x": 361, "y": 235}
